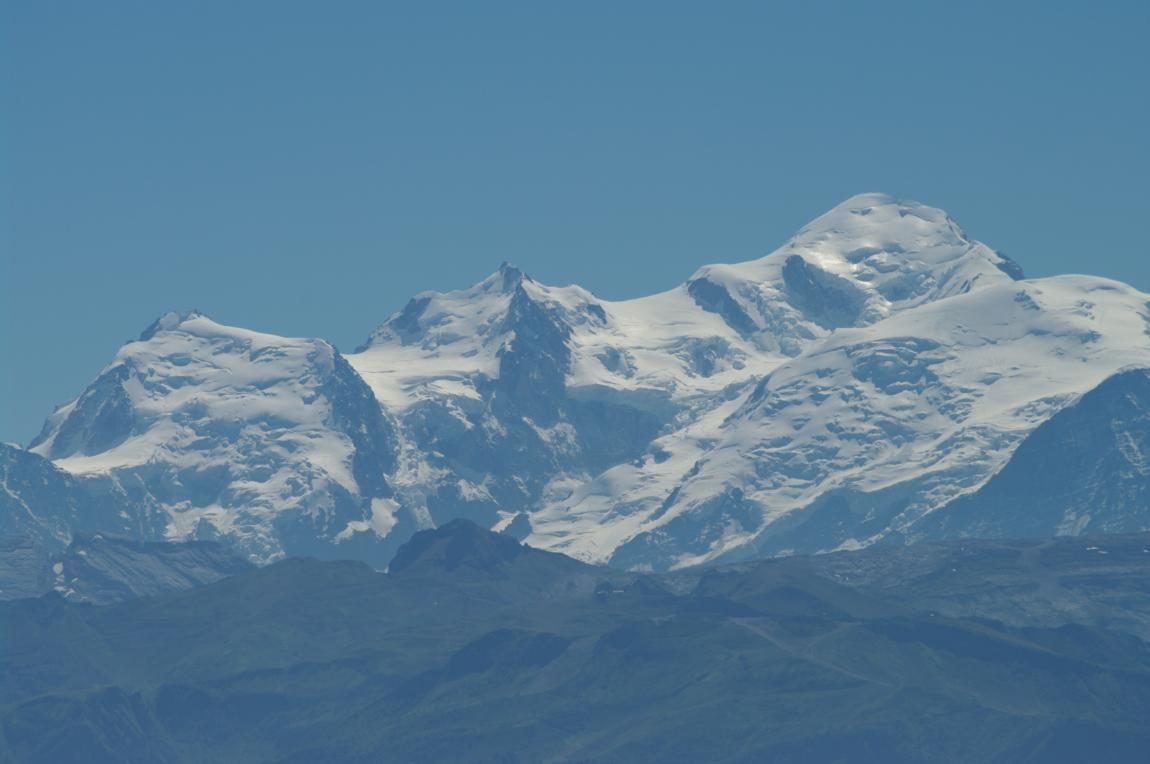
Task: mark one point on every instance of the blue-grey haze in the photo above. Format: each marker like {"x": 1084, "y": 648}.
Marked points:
{"x": 304, "y": 168}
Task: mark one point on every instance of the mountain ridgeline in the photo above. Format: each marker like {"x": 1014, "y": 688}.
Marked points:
{"x": 879, "y": 378}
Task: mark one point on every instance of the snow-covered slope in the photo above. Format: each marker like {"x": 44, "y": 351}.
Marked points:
{"x": 832, "y": 393}
{"x": 273, "y": 443}
{"x": 659, "y": 349}
{"x": 868, "y": 258}
{"x": 563, "y": 385}
{"x": 1086, "y": 470}
{"x": 480, "y": 381}
{"x": 868, "y": 431}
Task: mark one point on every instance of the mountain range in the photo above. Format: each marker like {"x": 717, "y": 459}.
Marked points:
{"x": 880, "y": 378}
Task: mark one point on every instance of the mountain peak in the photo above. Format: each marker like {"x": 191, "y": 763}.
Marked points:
{"x": 897, "y": 230}
{"x": 459, "y": 543}
{"x": 169, "y": 321}
{"x": 860, "y": 262}
{"x": 506, "y": 279}
{"x": 872, "y": 220}
{"x": 509, "y": 276}
{"x": 871, "y": 199}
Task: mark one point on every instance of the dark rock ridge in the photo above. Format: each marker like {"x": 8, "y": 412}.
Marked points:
{"x": 101, "y": 569}
{"x": 459, "y": 543}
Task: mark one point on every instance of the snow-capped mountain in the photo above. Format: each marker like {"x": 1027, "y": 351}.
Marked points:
{"x": 273, "y": 443}
{"x": 511, "y": 393}
{"x": 876, "y": 427}
{"x": 844, "y": 389}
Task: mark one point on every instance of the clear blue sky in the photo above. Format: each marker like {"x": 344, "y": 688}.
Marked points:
{"x": 304, "y": 168}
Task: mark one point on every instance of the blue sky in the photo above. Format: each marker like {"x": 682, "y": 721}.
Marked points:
{"x": 304, "y": 168}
